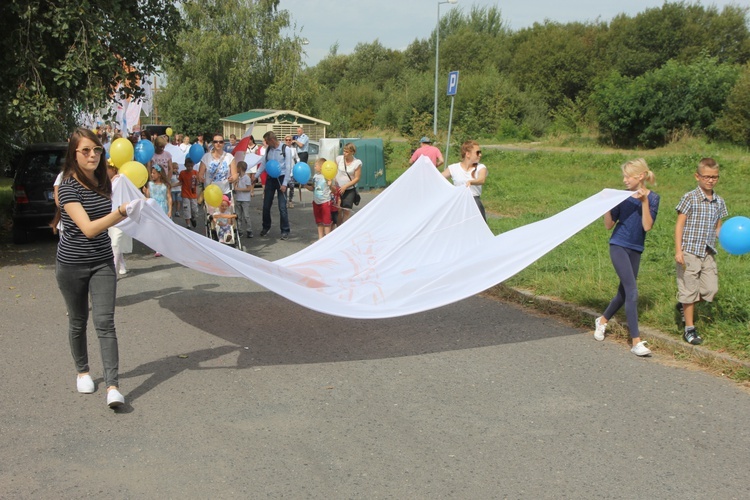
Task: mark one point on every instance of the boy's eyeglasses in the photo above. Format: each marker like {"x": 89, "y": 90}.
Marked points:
{"x": 98, "y": 150}
{"x": 709, "y": 177}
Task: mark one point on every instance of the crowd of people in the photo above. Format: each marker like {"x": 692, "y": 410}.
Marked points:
{"x": 178, "y": 187}
{"x": 89, "y": 256}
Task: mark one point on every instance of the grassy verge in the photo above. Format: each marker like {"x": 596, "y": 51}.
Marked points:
{"x": 526, "y": 186}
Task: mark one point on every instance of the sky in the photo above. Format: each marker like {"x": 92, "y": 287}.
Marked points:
{"x": 397, "y": 23}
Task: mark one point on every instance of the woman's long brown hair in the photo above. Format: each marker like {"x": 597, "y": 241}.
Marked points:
{"x": 103, "y": 185}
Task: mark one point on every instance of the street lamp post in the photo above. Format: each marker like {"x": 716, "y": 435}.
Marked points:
{"x": 437, "y": 64}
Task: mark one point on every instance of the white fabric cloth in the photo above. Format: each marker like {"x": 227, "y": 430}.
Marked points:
{"x": 121, "y": 242}
{"x": 178, "y": 155}
{"x": 419, "y": 245}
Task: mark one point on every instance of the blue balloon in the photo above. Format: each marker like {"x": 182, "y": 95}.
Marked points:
{"x": 144, "y": 151}
{"x": 735, "y": 235}
{"x": 273, "y": 168}
{"x": 301, "y": 172}
{"x": 196, "y": 153}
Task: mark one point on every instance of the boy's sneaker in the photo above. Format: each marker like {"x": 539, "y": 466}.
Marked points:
{"x": 263, "y": 232}
{"x": 680, "y": 314}
{"x": 249, "y": 234}
{"x": 284, "y": 236}
{"x": 193, "y": 222}
{"x": 640, "y": 349}
{"x": 691, "y": 336}
{"x": 599, "y": 329}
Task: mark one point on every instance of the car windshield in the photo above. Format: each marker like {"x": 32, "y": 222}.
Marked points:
{"x": 42, "y": 166}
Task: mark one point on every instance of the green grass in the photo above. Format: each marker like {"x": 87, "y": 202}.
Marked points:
{"x": 524, "y": 187}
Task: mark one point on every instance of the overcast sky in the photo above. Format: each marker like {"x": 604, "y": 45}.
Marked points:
{"x": 396, "y": 23}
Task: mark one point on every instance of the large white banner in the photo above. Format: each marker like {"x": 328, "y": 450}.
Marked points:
{"x": 418, "y": 245}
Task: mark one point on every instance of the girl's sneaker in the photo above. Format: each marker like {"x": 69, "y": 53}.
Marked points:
{"x": 640, "y": 349}
{"x": 599, "y": 329}
{"x": 85, "y": 384}
{"x": 115, "y": 398}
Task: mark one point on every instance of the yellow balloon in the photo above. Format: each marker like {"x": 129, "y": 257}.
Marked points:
{"x": 121, "y": 151}
{"x": 213, "y": 195}
{"x": 329, "y": 169}
{"x": 169, "y": 131}
{"x": 136, "y": 172}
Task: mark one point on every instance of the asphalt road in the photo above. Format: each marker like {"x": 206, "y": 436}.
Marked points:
{"x": 235, "y": 392}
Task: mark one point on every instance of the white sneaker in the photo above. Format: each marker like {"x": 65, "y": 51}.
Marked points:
{"x": 640, "y": 349}
{"x": 114, "y": 398}
{"x": 599, "y": 329}
{"x": 85, "y": 384}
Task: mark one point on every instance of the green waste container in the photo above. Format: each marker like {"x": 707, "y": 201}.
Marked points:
{"x": 370, "y": 152}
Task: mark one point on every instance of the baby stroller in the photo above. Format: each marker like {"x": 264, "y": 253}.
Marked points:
{"x": 221, "y": 228}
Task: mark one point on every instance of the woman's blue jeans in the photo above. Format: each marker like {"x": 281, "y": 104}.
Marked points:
{"x": 77, "y": 282}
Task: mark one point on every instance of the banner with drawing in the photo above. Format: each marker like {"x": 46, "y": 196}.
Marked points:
{"x": 419, "y": 245}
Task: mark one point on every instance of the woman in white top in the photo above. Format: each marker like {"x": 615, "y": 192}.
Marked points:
{"x": 218, "y": 167}
{"x": 469, "y": 172}
{"x": 350, "y": 171}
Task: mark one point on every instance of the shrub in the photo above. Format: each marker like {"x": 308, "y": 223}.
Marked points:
{"x": 734, "y": 122}
{"x": 648, "y": 109}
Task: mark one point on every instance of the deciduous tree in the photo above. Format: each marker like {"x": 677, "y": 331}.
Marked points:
{"x": 230, "y": 52}
{"x": 63, "y": 57}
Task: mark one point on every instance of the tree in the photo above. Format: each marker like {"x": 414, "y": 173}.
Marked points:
{"x": 558, "y": 61}
{"x": 230, "y": 52}
{"x": 650, "y": 109}
{"x": 734, "y": 122}
{"x": 373, "y": 63}
{"x": 64, "y": 57}
{"x": 677, "y": 30}
{"x": 469, "y": 42}
{"x": 417, "y": 55}
{"x": 331, "y": 70}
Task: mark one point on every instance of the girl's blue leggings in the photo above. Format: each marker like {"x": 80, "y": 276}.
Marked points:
{"x": 626, "y": 263}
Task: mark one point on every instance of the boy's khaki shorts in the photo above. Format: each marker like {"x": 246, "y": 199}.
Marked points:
{"x": 698, "y": 279}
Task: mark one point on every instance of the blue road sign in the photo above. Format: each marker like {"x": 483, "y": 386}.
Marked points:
{"x": 452, "y": 83}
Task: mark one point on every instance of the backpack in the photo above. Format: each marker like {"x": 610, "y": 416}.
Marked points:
{"x": 283, "y": 151}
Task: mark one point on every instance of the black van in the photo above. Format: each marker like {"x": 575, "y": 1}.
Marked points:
{"x": 33, "y": 205}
